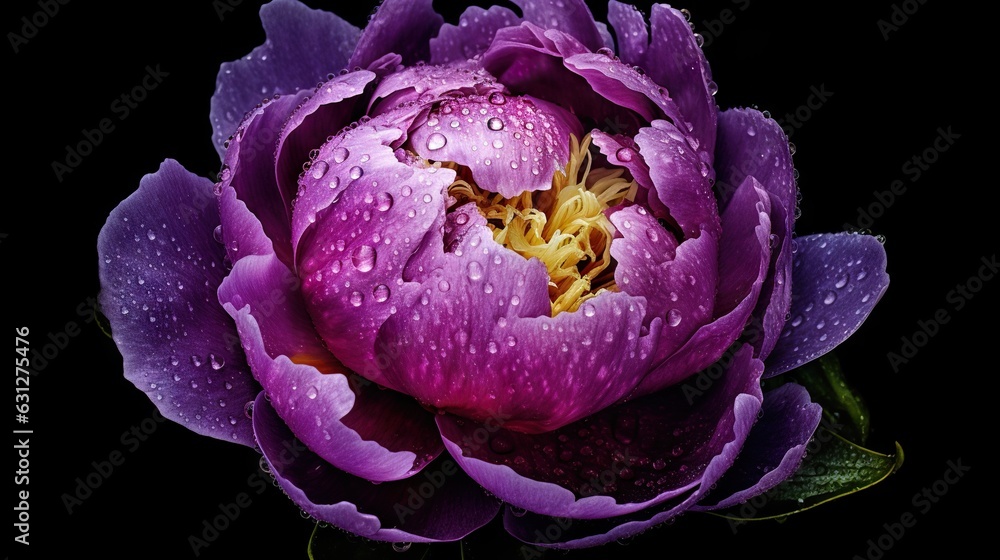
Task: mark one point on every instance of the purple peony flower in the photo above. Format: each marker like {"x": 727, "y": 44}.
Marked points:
{"x": 486, "y": 256}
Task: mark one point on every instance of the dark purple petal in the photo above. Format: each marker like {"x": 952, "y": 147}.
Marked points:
{"x": 630, "y": 29}
{"x": 332, "y": 106}
{"x": 302, "y": 47}
{"x": 355, "y": 426}
{"x": 529, "y": 60}
{"x": 675, "y": 61}
{"x": 774, "y": 449}
{"x": 837, "y": 278}
{"x": 619, "y": 461}
{"x": 361, "y": 213}
{"x": 473, "y": 34}
{"x": 404, "y": 27}
{"x": 750, "y": 144}
{"x": 572, "y": 17}
{"x": 680, "y": 177}
{"x": 744, "y": 256}
{"x": 241, "y": 228}
{"x": 484, "y": 308}
{"x": 159, "y": 270}
{"x": 248, "y": 169}
{"x": 450, "y": 507}
{"x": 511, "y": 144}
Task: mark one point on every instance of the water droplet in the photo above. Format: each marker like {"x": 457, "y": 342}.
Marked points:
{"x": 196, "y": 361}
{"x": 589, "y": 310}
{"x": 264, "y": 466}
{"x": 151, "y": 235}
{"x": 363, "y": 258}
{"x": 830, "y": 298}
{"x": 444, "y": 286}
{"x": 357, "y": 299}
{"x": 493, "y": 123}
{"x": 340, "y": 154}
{"x": 498, "y": 144}
{"x": 475, "y": 270}
{"x": 673, "y": 317}
{"x": 497, "y": 98}
{"x": 356, "y": 172}
{"x": 217, "y": 233}
{"x": 436, "y": 141}
{"x": 517, "y": 512}
{"x": 797, "y": 321}
{"x": 383, "y": 201}
{"x": 401, "y": 546}
{"x": 248, "y": 409}
{"x": 319, "y": 169}
{"x": 624, "y": 154}
{"x": 381, "y": 293}
{"x": 713, "y": 88}
{"x": 217, "y": 362}
{"x": 312, "y": 392}
{"x": 841, "y": 282}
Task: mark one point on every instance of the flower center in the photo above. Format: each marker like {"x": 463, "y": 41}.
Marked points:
{"x": 564, "y": 227}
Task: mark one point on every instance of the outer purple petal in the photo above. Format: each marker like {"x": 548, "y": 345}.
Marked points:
{"x": 355, "y": 426}
{"x": 619, "y": 461}
{"x": 332, "y": 106}
{"x": 744, "y": 255}
{"x": 384, "y": 512}
{"x": 302, "y": 47}
{"x": 248, "y": 169}
{"x": 630, "y": 29}
{"x": 473, "y": 34}
{"x": 511, "y": 144}
{"x": 837, "y": 278}
{"x": 483, "y": 308}
{"x": 675, "y": 61}
{"x": 403, "y": 27}
{"x": 751, "y": 145}
{"x": 355, "y": 239}
{"x": 572, "y": 17}
{"x": 159, "y": 270}
{"x": 774, "y": 449}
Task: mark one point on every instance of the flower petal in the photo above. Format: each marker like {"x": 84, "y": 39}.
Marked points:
{"x": 248, "y": 169}
{"x": 511, "y": 144}
{"x": 303, "y": 45}
{"x": 751, "y": 144}
{"x": 355, "y": 239}
{"x": 680, "y": 178}
{"x": 332, "y": 106}
{"x": 159, "y": 270}
{"x": 837, "y": 278}
{"x": 427, "y": 84}
{"x": 630, "y": 29}
{"x": 356, "y": 427}
{"x": 572, "y": 17}
{"x": 620, "y": 460}
{"x": 473, "y": 34}
{"x": 404, "y": 27}
{"x": 675, "y": 61}
{"x": 483, "y": 308}
{"x": 774, "y": 449}
{"x": 450, "y": 505}
{"x": 744, "y": 256}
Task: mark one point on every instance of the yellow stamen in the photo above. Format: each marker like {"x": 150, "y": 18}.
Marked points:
{"x": 564, "y": 227}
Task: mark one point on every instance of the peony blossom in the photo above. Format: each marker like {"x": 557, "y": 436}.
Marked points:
{"x": 474, "y": 270}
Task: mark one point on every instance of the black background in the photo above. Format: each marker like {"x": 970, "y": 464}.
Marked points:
{"x": 889, "y": 99}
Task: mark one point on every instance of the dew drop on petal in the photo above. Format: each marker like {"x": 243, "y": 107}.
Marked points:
{"x": 340, "y": 154}
{"x": 436, "y": 141}
{"x": 319, "y": 169}
{"x": 381, "y": 293}
{"x": 493, "y": 123}
{"x": 363, "y": 258}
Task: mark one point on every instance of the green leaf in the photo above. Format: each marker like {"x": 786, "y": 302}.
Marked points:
{"x": 833, "y": 467}
{"x": 825, "y": 382}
